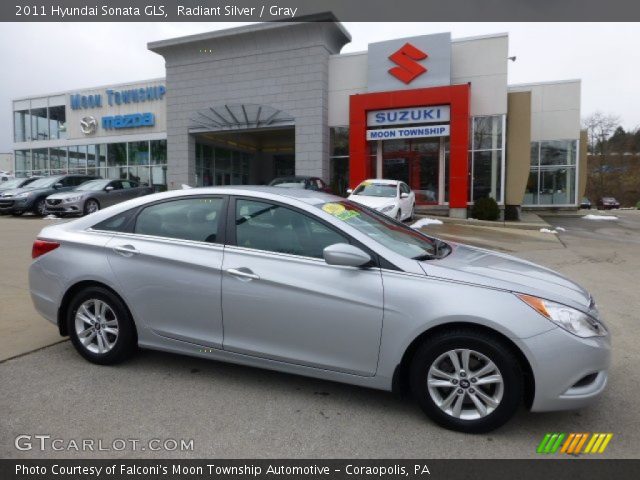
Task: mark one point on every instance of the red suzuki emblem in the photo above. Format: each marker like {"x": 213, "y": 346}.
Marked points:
{"x": 408, "y": 68}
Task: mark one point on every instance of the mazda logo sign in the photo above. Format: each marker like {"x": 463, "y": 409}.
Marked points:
{"x": 88, "y": 125}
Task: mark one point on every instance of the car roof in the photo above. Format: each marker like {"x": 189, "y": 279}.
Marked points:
{"x": 382, "y": 181}
{"x": 311, "y": 197}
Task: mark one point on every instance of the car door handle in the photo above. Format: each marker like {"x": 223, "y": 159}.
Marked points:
{"x": 126, "y": 250}
{"x": 243, "y": 274}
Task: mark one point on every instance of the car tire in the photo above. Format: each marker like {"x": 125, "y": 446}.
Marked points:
{"x": 499, "y": 394}
{"x": 40, "y": 207}
{"x": 91, "y": 206}
{"x": 107, "y": 338}
{"x": 399, "y": 215}
{"x": 17, "y": 214}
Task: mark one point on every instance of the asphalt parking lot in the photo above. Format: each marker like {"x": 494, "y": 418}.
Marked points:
{"x": 238, "y": 412}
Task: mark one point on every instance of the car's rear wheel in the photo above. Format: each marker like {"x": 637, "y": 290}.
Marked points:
{"x": 399, "y": 214}
{"x": 40, "y": 207}
{"x": 100, "y": 326}
{"x": 466, "y": 380}
{"x": 91, "y": 206}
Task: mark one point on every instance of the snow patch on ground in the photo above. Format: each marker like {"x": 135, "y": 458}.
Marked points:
{"x": 51, "y": 217}
{"x": 600, "y": 217}
{"x": 561, "y": 229}
{"x": 423, "y": 222}
{"x": 546, "y": 230}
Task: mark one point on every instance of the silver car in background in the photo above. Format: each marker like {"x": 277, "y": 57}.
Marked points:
{"x": 313, "y": 284}
{"x": 94, "y": 195}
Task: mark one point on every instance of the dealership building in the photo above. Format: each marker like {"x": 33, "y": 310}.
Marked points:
{"x": 248, "y": 104}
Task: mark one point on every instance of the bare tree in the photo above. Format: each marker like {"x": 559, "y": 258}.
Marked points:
{"x": 600, "y": 127}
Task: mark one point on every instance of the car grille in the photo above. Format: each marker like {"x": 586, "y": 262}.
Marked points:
{"x": 4, "y": 203}
{"x": 54, "y": 202}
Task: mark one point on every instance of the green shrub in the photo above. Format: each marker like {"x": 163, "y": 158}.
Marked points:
{"x": 638, "y": 205}
{"x": 485, "y": 209}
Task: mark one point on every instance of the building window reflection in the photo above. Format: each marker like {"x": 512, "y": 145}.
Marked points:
{"x": 552, "y": 175}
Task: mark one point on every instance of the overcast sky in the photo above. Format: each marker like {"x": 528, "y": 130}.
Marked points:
{"x": 42, "y": 58}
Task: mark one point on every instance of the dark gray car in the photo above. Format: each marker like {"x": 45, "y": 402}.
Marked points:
{"x": 93, "y": 196}
{"x": 32, "y": 197}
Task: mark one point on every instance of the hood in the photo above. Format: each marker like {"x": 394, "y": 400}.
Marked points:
{"x": 496, "y": 270}
{"x": 12, "y": 192}
{"x": 373, "y": 202}
{"x": 63, "y": 195}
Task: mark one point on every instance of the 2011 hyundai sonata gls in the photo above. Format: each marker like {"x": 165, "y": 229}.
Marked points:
{"x": 309, "y": 283}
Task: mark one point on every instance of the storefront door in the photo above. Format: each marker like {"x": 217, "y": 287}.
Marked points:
{"x": 418, "y": 163}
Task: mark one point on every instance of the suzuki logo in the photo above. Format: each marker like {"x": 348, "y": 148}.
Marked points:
{"x": 408, "y": 68}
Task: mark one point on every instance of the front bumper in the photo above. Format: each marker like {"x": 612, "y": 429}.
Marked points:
{"x": 15, "y": 205}
{"x": 570, "y": 372}
{"x": 64, "y": 208}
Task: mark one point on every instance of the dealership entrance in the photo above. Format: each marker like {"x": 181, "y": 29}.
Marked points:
{"x": 420, "y": 162}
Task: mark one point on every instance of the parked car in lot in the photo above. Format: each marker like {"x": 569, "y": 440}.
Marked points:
{"x": 94, "y": 195}
{"x": 608, "y": 203}
{"x": 32, "y": 197}
{"x": 298, "y": 181}
{"x": 15, "y": 183}
{"x": 313, "y": 284}
{"x": 585, "y": 203}
{"x": 391, "y": 197}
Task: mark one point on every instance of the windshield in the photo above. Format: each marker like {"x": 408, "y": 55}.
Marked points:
{"x": 15, "y": 183}
{"x": 396, "y": 236}
{"x": 92, "y": 185}
{"x": 371, "y": 189}
{"x": 43, "y": 182}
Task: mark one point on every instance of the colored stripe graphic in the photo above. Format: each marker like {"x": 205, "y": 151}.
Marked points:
{"x": 574, "y": 443}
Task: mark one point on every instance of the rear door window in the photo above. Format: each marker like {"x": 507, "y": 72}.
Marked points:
{"x": 196, "y": 219}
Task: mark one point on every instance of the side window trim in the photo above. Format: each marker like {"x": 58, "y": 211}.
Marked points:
{"x": 231, "y": 239}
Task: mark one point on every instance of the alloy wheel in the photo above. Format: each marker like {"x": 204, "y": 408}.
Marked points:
{"x": 465, "y": 384}
{"x": 96, "y": 326}
{"x": 41, "y": 207}
{"x": 92, "y": 206}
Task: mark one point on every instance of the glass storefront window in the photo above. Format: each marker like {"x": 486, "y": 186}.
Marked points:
{"x": 558, "y": 152}
{"x": 339, "y": 175}
{"x": 487, "y": 133}
{"x": 57, "y": 122}
{"x": 553, "y": 173}
{"x": 138, "y": 153}
{"x": 21, "y": 126}
{"x": 158, "y": 151}
{"x": 39, "y": 124}
{"x": 58, "y": 161}
{"x": 140, "y": 174}
{"x": 159, "y": 177}
{"x": 117, "y": 160}
{"x": 78, "y": 159}
{"x": 39, "y": 161}
{"x": 23, "y": 160}
{"x": 339, "y": 141}
{"x": 486, "y": 174}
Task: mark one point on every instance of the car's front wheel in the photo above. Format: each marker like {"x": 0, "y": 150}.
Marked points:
{"x": 100, "y": 326}
{"x": 466, "y": 380}
{"x": 91, "y": 206}
{"x": 40, "y": 207}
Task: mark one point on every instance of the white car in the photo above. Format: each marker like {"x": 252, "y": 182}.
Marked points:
{"x": 391, "y": 197}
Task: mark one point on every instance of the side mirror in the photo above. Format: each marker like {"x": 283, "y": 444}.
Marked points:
{"x": 349, "y": 191}
{"x": 345, "y": 255}
{"x": 108, "y": 189}
{"x": 404, "y": 195}
{"x": 57, "y": 185}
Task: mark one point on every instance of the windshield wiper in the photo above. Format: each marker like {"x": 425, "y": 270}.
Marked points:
{"x": 424, "y": 256}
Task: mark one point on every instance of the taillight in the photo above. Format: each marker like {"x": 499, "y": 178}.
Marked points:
{"x": 40, "y": 247}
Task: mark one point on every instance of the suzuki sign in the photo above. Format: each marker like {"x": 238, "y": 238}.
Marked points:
{"x": 415, "y": 62}
{"x": 405, "y": 116}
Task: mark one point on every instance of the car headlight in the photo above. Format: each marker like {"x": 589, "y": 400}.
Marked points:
{"x": 72, "y": 199}
{"x": 572, "y": 320}
{"x": 388, "y": 208}
{"x": 23, "y": 195}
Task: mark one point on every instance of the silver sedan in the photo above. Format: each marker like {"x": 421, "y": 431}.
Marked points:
{"x": 94, "y": 195}
{"x": 312, "y": 284}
